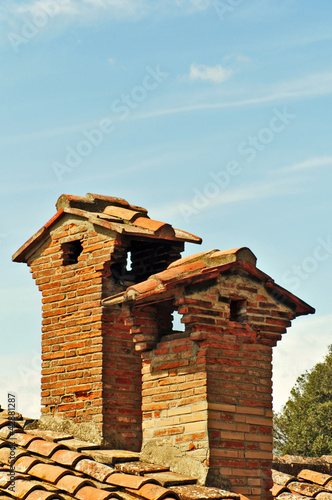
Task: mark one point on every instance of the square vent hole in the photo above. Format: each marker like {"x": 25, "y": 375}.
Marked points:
{"x": 71, "y": 251}
{"x": 237, "y": 310}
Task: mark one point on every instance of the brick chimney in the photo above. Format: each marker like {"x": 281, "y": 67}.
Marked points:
{"x": 91, "y": 375}
{"x": 207, "y": 390}
{"x": 113, "y": 364}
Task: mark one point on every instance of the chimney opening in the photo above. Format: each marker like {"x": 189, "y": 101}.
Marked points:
{"x": 177, "y": 325}
{"x": 141, "y": 259}
{"x": 129, "y": 263}
{"x": 71, "y": 251}
{"x": 237, "y": 310}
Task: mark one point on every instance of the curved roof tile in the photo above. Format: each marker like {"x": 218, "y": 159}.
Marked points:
{"x": 309, "y": 482}
{"x": 38, "y": 475}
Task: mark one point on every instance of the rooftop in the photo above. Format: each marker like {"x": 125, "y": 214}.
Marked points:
{"x": 51, "y": 465}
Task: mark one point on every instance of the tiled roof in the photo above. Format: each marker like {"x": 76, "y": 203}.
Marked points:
{"x": 199, "y": 267}
{"x": 305, "y": 478}
{"x": 50, "y": 465}
{"x": 113, "y": 214}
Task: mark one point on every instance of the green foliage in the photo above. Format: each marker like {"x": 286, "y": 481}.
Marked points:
{"x": 304, "y": 424}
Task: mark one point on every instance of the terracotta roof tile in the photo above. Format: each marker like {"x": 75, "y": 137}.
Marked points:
{"x": 23, "y": 439}
{"x": 4, "y": 479}
{"x": 167, "y": 479}
{"x": 123, "y": 214}
{"x": 94, "y": 469}
{"x": 291, "y": 496}
{"x": 202, "y": 493}
{"x": 79, "y": 445}
{"x": 174, "y": 273}
{"x": 42, "y": 447}
{"x": 140, "y": 468}
{"x": 153, "y": 225}
{"x": 145, "y": 286}
{"x": 305, "y": 489}
{"x": 7, "y": 455}
{"x": 112, "y": 200}
{"x": 49, "y": 435}
{"x": 48, "y": 472}
{"x": 185, "y": 236}
{"x": 155, "y": 492}
{"x": 112, "y": 457}
{"x": 72, "y": 483}
{"x": 43, "y": 495}
{"x": 90, "y": 493}
{"x": 277, "y": 489}
{"x": 94, "y": 202}
{"x": 128, "y": 481}
{"x": 281, "y": 477}
{"x": 23, "y": 487}
{"x": 191, "y": 258}
{"x": 5, "y": 422}
{"x": 12, "y": 416}
{"x": 5, "y": 432}
{"x": 25, "y": 463}
{"x": 67, "y": 457}
{"x": 314, "y": 477}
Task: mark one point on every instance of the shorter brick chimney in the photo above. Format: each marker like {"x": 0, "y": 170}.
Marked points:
{"x": 207, "y": 390}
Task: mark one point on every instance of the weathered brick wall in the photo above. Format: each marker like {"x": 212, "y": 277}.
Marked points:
{"x": 122, "y": 385}
{"x": 85, "y": 352}
{"x": 175, "y": 393}
{"x": 239, "y": 373}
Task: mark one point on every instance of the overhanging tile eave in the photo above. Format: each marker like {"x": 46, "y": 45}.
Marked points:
{"x": 40, "y": 235}
{"x": 21, "y": 255}
{"x": 110, "y": 223}
{"x": 302, "y": 308}
{"x": 164, "y": 291}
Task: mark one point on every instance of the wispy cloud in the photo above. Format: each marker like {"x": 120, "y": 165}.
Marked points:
{"x": 34, "y": 7}
{"x": 213, "y": 74}
{"x": 237, "y": 58}
{"x": 312, "y": 163}
{"x": 310, "y": 86}
{"x": 242, "y": 194}
{"x": 91, "y": 9}
{"x": 22, "y": 20}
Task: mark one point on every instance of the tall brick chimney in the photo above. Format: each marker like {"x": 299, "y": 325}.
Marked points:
{"x": 91, "y": 375}
{"x": 113, "y": 364}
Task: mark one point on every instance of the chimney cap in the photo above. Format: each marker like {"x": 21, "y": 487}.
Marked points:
{"x": 113, "y": 214}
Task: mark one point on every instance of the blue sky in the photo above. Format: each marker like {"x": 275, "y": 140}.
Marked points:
{"x": 215, "y": 115}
